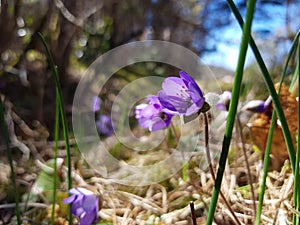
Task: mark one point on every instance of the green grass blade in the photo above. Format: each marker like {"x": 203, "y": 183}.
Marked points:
{"x": 56, "y": 137}
{"x": 270, "y": 87}
{"x": 232, "y": 108}
{"x": 294, "y": 82}
{"x": 4, "y": 132}
{"x": 62, "y": 112}
{"x": 270, "y": 135}
{"x": 297, "y": 178}
{"x": 292, "y": 51}
{"x": 265, "y": 169}
{"x": 295, "y": 46}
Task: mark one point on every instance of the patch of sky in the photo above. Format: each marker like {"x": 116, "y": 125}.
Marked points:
{"x": 269, "y": 28}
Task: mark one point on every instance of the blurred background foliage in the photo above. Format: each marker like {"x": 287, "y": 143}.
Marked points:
{"x": 79, "y": 31}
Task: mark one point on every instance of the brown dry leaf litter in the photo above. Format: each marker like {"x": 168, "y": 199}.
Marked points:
{"x": 261, "y": 125}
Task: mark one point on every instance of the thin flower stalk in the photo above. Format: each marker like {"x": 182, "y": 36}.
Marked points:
{"x": 209, "y": 161}
{"x": 249, "y": 177}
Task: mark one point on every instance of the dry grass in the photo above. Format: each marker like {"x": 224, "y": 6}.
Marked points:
{"x": 166, "y": 202}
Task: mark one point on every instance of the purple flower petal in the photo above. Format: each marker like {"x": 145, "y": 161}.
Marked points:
{"x": 84, "y": 204}
{"x": 174, "y": 86}
{"x": 196, "y": 96}
{"x": 187, "y": 79}
{"x": 223, "y": 103}
{"x": 96, "y": 103}
{"x": 152, "y": 115}
{"x": 77, "y": 211}
{"x": 257, "y": 106}
{"x": 165, "y": 101}
{"x": 157, "y": 124}
{"x": 69, "y": 199}
{"x": 80, "y": 191}
{"x": 153, "y": 100}
{"x": 104, "y": 125}
{"x": 87, "y": 219}
{"x": 192, "y": 110}
{"x": 181, "y": 95}
{"x": 88, "y": 203}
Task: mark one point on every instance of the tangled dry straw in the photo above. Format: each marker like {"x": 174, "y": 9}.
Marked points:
{"x": 167, "y": 202}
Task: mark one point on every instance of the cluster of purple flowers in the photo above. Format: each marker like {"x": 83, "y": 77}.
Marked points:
{"x": 179, "y": 96}
{"x": 103, "y": 122}
{"x": 255, "y": 106}
{"x": 182, "y": 96}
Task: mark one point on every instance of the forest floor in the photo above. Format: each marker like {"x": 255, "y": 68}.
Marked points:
{"x": 164, "y": 202}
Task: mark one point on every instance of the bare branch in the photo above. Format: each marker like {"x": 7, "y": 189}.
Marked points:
{"x": 78, "y": 21}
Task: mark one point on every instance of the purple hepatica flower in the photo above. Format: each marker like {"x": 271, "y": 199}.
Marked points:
{"x": 223, "y": 103}
{"x": 181, "y": 95}
{"x": 152, "y": 115}
{"x": 104, "y": 125}
{"x": 96, "y": 103}
{"x": 85, "y": 205}
{"x": 257, "y": 106}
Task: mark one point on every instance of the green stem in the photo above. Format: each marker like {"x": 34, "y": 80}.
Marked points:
{"x": 265, "y": 169}
{"x": 296, "y": 182}
{"x": 62, "y": 113}
{"x": 270, "y": 87}
{"x": 232, "y": 108}
{"x": 56, "y": 137}
{"x": 9, "y": 156}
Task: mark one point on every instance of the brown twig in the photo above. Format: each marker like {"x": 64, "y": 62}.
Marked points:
{"x": 250, "y": 181}
{"x": 193, "y": 214}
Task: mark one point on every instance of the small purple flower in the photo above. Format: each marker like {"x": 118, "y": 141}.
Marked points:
{"x": 181, "y": 95}
{"x": 223, "y": 103}
{"x": 152, "y": 115}
{"x": 96, "y": 104}
{"x": 85, "y": 205}
{"x": 257, "y": 106}
{"x": 104, "y": 125}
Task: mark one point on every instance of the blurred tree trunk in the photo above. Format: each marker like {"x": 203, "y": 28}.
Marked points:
{"x": 61, "y": 48}
{"x": 8, "y": 16}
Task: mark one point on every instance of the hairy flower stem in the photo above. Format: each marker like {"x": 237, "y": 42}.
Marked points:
{"x": 249, "y": 177}
{"x": 207, "y": 150}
